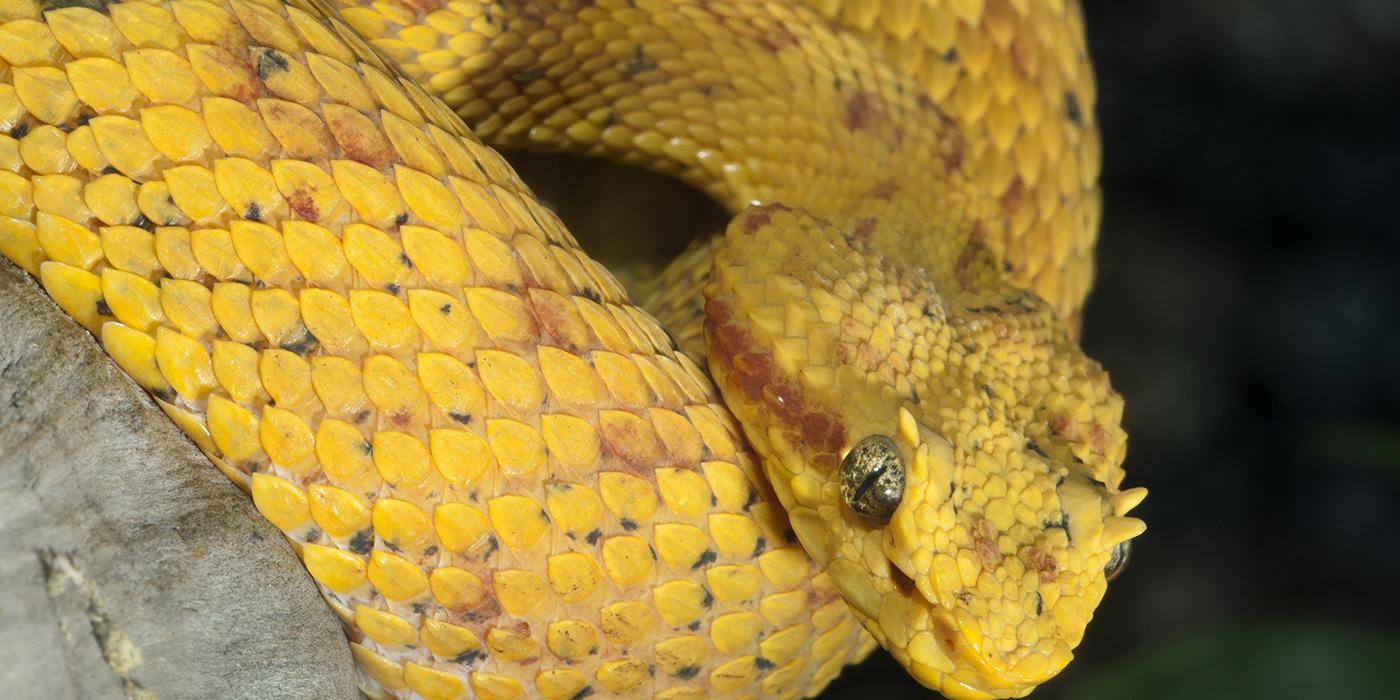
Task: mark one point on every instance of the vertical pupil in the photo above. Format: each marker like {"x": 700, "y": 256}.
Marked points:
{"x": 869, "y": 481}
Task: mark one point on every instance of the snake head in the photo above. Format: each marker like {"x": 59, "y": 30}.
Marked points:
{"x": 943, "y": 448}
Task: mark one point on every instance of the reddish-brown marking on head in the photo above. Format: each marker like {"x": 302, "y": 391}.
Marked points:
{"x": 1097, "y": 438}
{"x": 821, "y": 430}
{"x": 757, "y": 220}
{"x": 861, "y": 355}
{"x": 758, "y": 217}
{"x": 861, "y": 111}
{"x": 729, "y": 339}
{"x": 1043, "y": 564}
{"x": 984, "y": 538}
{"x": 753, "y": 370}
{"x": 754, "y": 373}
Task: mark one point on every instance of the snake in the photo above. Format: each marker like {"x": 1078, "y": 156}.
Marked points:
{"x": 863, "y": 419}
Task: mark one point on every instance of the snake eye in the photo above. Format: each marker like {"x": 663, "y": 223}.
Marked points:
{"x": 872, "y": 478}
{"x": 1118, "y": 560}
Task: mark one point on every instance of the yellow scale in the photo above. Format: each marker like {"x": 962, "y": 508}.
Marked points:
{"x": 505, "y": 477}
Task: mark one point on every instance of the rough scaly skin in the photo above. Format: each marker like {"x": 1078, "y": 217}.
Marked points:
{"x": 502, "y": 475}
{"x": 704, "y": 91}
{"x": 455, "y": 476}
{"x": 1015, "y": 76}
{"x": 820, "y": 334}
{"x": 938, "y": 158}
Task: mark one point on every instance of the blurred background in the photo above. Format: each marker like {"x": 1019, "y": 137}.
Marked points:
{"x": 1248, "y": 308}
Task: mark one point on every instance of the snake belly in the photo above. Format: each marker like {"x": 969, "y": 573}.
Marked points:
{"x": 508, "y": 479}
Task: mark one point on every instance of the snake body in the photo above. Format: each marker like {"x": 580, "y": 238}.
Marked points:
{"x": 507, "y": 478}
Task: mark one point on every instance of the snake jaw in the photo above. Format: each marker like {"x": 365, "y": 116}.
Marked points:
{"x": 987, "y": 573}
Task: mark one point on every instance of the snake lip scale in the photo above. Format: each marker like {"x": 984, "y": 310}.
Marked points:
{"x": 856, "y": 417}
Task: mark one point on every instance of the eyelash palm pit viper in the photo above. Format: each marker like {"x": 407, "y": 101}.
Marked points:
{"x": 508, "y": 479}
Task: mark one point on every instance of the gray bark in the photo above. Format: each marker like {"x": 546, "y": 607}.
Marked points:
{"x": 129, "y": 566}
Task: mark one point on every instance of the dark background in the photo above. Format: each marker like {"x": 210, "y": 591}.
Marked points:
{"x": 1248, "y": 307}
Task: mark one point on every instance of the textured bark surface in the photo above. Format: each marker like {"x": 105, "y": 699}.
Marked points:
{"x": 129, "y": 566}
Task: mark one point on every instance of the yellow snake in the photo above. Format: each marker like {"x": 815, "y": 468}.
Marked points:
{"x": 509, "y": 480}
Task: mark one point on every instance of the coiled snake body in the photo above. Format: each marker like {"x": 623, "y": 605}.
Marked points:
{"x": 507, "y": 478}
